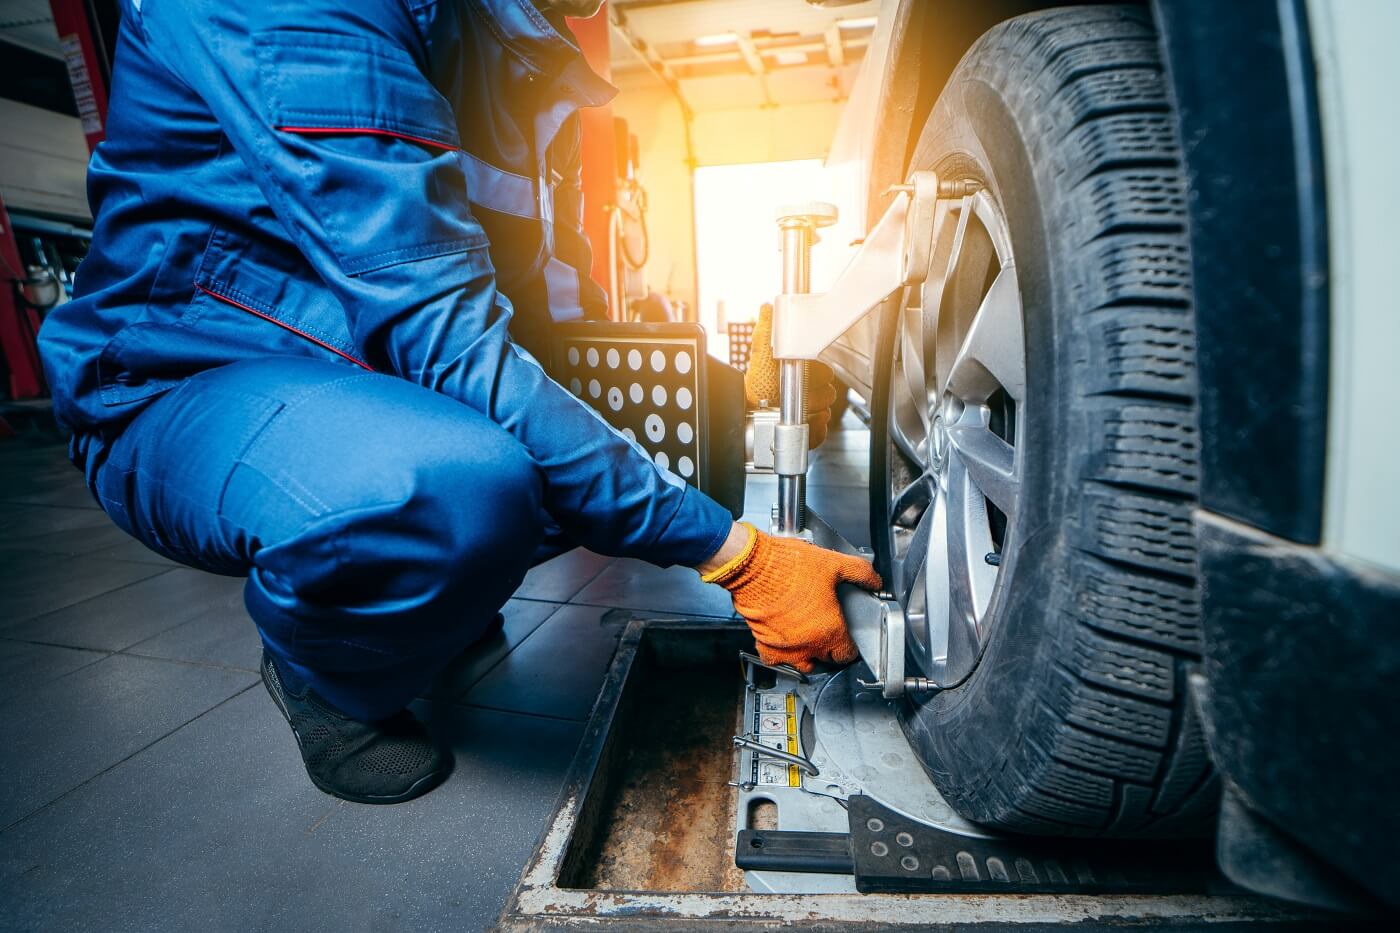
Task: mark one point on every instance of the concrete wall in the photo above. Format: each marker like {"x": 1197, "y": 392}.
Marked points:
{"x": 765, "y": 134}
{"x": 655, "y": 117}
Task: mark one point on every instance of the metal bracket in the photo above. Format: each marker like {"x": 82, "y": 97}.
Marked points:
{"x": 758, "y": 440}
{"x": 895, "y": 254}
{"x": 876, "y": 623}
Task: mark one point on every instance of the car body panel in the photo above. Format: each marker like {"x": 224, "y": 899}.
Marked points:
{"x": 1358, "y": 75}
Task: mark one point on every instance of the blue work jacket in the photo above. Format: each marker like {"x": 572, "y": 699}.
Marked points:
{"x": 381, "y": 183}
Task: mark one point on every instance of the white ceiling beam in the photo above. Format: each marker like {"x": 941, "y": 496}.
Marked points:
{"x": 750, "y": 53}
{"x": 730, "y": 55}
{"x": 835, "y": 45}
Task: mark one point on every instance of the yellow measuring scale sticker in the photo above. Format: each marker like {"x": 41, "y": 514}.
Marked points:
{"x": 794, "y": 773}
{"x": 775, "y": 725}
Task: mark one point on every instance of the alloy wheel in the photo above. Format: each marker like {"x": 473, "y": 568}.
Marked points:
{"x": 957, "y": 384}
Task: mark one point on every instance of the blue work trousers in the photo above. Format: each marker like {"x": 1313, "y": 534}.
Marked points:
{"x": 381, "y": 525}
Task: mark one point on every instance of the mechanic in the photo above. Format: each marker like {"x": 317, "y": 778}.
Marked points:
{"x": 330, "y": 239}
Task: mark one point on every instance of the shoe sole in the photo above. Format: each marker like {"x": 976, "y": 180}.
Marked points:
{"x": 416, "y": 789}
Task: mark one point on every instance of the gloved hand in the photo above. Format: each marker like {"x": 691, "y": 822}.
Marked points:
{"x": 785, "y": 588}
{"x": 761, "y": 380}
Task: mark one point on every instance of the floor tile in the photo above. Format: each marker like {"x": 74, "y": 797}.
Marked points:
{"x": 71, "y": 729}
{"x": 633, "y": 584}
{"x": 32, "y": 584}
{"x": 217, "y": 827}
{"x": 93, "y": 540}
{"x": 851, "y": 435}
{"x": 558, "y": 579}
{"x": 56, "y": 493}
{"x": 521, "y": 618}
{"x": 24, "y": 666}
{"x": 839, "y": 468}
{"x": 845, "y": 508}
{"x": 132, "y": 614}
{"x": 21, "y": 523}
{"x": 557, "y": 670}
{"x": 130, "y": 549}
{"x": 222, "y": 634}
{"x": 23, "y": 450}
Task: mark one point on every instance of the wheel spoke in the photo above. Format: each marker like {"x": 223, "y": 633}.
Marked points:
{"x": 910, "y": 564}
{"x": 992, "y": 355}
{"x": 970, "y": 578}
{"x": 912, "y": 355}
{"x": 990, "y": 462}
{"x": 908, "y": 431}
{"x": 934, "y": 579}
{"x": 935, "y": 289}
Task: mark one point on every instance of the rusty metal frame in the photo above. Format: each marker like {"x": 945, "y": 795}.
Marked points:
{"x": 542, "y": 899}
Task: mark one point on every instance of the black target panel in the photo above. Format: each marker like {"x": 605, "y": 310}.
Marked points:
{"x": 647, "y": 381}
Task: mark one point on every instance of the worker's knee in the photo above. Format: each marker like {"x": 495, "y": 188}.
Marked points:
{"x": 485, "y": 501}
{"x": 423, "y": 526}
{"x": 471, "y": 518}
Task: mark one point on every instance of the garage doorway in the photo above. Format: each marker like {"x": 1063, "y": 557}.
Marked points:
{"x": 738, "y": 252}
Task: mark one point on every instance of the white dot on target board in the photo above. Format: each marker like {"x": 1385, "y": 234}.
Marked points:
{"x": 658, "y": 360}
{"x": 595, "y": 389}
{"x": 635, "y": 393}
{"x": 634, "y": 359}
{"x": 630, "y": 434}
{"x": 573, "y": 356}
{"x": 683, "y": 398}
{"x": 686, "y": 466}
{"x": 662, "y": 460}
{"x": 575, "y": 386}
{"x": 615, "y": 398}
{"x": 685, "y": 432}
{"x": 655, "y": 428}
{"x": 614, "y": 358}
{"x": 592, "y": 356}
{"x": 658, "y": 395}
{"x": 682, "y": 362}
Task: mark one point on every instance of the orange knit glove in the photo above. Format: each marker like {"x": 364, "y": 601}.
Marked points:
{"x": 761, "y": 380}
{"x": 785, "y": 588}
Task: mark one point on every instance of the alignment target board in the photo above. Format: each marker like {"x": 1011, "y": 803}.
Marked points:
{"x": 647, "y": 381}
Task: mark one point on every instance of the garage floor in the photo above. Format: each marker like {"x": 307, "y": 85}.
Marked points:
{"x": 148, "y": 781}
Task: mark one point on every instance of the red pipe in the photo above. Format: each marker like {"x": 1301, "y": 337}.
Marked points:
{"x": 78, "y": 39}
{"x": 19, "y": 323}
{"x": 599, "y": 154}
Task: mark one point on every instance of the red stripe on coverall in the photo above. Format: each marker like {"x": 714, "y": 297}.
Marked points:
{"x": 299, "y": 333}
{"x": 369, "y": 131}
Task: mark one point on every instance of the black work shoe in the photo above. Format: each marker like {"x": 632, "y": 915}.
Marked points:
{"x": 388, "y": 761}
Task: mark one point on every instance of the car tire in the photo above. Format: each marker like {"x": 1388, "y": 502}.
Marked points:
{"x": 1074, "y": 717}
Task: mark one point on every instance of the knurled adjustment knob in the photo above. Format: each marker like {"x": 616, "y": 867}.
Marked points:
{"x": 816, "y": 213}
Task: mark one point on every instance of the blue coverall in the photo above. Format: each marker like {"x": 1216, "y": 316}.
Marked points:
{"x": 289, "y": 355}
